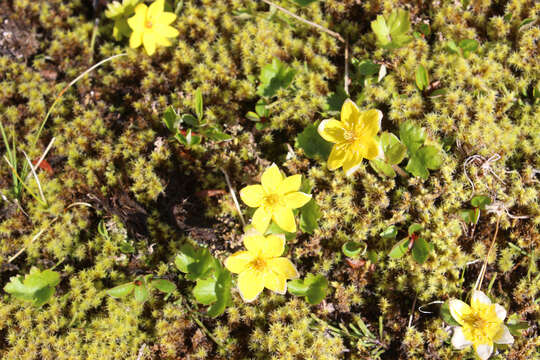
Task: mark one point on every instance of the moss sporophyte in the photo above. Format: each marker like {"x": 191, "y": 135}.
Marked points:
{"x": 150, "y": 26}
{"x": 482, "y": 324}
{"x": 275, "y": 199}
{"x": 354, "y": 137}
{"x": 261, "y": 266}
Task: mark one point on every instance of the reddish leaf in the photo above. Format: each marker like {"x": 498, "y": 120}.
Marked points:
{"x": 44, "y": 165}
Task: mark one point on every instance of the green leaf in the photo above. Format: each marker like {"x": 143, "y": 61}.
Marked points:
{"x": 382, "y": 168}
{"x": 170, "y": 119}
{"x": 223, "y": 294}
{"x": 199, "y": 104}
{"x": 470, "y": 216}
{"x": 187, "y": 256}
{"x": 163, "y": 285}
{"x": 121, "y": 291}
{"x": 424, "y": 29}
{"x": 37, "y": 286}
{"x": 304, "y": 2}
{"x": 275, "y": 229}
{"x": 414, "y": 228}
{"x": 203, "y": 265}
{"x": 417, "y": 167}
{"x": 381, "y": 30}
{"x": 190, "y": 120}
{"x": 431, "y": 157}
{"x": 309, "y": 216}
{"x": 422, "y": 79}
{"x": 141, "y": 293}
{"x": 274, "y": 77}
{"x": 452, "y": 47}
{"x": 368, "y": 68}
{"x": 392, "y": 33}
{"x": 480, "y": 201}
{"x": 412, "y": 136}
{"x": 447, "y": 316}
{"x": 399, "y": 249}
{"x": 314, "y": 146}
{"x": 525, "y": 22}
{"x": 352, "y": 249}
{"x": 215, "y": 134}
{"x": 102, "y": 229}
{"x": 318, "y": 285}
{"x": 261, "y": 109}
{"x": 252, "y": 116}
{"x": 335, "y": 100}
{"x": 297, "y": 287}
{"x": 394, "y": 150}
{"x": 515, "y": 325}
{"x": 389, "y": 233}
{"x": 420, "y": 250}
{"x": 126, "y": 247}
{"x": 205, "y": 291}
{"x": 373, "y": 256}
{"x": 468, "y": 45}
{"x": 43, "y": 295}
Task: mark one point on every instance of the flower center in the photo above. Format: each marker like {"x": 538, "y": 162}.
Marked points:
{"x": 271, "y": 200}
{"x": 148, "y": 24}
{"x": 350, "y": 136}
{"x": 258, "y": 264}
{"x": 480, "y": 327}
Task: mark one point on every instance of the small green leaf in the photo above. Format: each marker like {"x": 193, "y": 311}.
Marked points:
{"x": 313, "y": 145}
{"x": 297, "y": 287}
{"x": 382, "y": 168}
{"x": 422, "y": 79}
{"x": 431, "y": 157}
{"x": 199, "y": 104}
{"x": 480, "y": 201}
{"x": 141, "y": 293}
{"x": 392, "y": 32}
{"x": 126, "y": 247}
{"x": 452, "y": 47}
{"x": 352, "y": 249}
{"x": 399, "y": 249}
{"x": 261, "y": 109}
{"x": 309, "y": 216}
{"x": 223, "y": 293}
{"x": 368, "y": 68}
{"x": 525, "y": 22}
{"x": 185, "y": 257}
{"x": 273, "y": 228}
{"x": 121, "y": 291}
{"x": 318, "y": 285}
{"x": 412, "y": 136}
{"x": 469, "y": 215}
{"x": 163, "y": 285}
{"x": 468, "y": 45}
{"x": 413, "y": 228}
{"x": 273, "y": 77}
{"x": 417, "y": 167}
{"x": 394, "y": 150}
{"x": 170, "y": 119}
{"x": 102, "y": 229}
{"x": 420, "y": 250}
{"x": 43, "y": 295}
{"x": 424, "y": 29}
{"x": 389, "y": 233}
{"x": 373, "y": 256}
{"x": 516, "y": 325}
{"x": 215, "y": 134}
{"x": 205, "y": 291}
{"x": 190, "y": 120}
{"x": 447, "y": 316}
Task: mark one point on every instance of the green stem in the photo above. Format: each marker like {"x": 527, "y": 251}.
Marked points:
{"x": 195, "y": 318}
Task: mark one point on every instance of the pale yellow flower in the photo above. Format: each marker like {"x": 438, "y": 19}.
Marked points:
{"x": 354, "y": 137}
{"x": 482, "y": 324}
{"x": 150, "y": 26}
{"x": 261, "y": 266}
{"x": 275, "y": 199}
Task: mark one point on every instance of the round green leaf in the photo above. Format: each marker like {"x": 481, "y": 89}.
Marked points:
{"x": 414, "y": 228}
{"x": 420, "y": 250}
{"x": 389, "y": 233}
{"x": 352, "y": 249}
{"x": 141, "y": 293}
{"x": 480, "y": 201}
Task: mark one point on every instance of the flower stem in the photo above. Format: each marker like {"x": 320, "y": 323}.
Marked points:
{"x": 484, "y": 267}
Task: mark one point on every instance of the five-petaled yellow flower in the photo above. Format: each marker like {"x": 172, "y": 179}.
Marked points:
{"x": 275, "y": 199}
{"x": 150, "y": 26}
{"x": 482, "y": 324}
{"x": 261, "y": 266}
{"x": 354, "y": 137}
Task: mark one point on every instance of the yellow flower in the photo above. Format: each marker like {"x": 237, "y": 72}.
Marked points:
{"x": 482, "y": 324}
{"x": 150, "y": 26}
{"x": 275, "y": 199}
{"x": 354, "y": 137}
{"x": 261, "y": 266}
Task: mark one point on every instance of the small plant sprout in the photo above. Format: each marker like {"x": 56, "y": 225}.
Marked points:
{"x": 37, "y": 286}
{"x": 261, "y": 266}
{"x": 392, "y": 31}
{"x": 151, "y": 27}
{"x": 419, "y": 247}
{"x": 354, "y": 137}
{"x": 275, "y": 200}
{"x": 313, "y": 288}
{"x": 481, "y": 324}
{"x": 141, "y": 288}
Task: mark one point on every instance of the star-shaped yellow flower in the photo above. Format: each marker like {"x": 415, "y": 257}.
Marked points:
{"x": 354, "y": 137}
{"x": 150, "y": 26}
{"x": 482, "y": 324}
{"x": 261, "y": 266}
{"x": 275, "y": 199}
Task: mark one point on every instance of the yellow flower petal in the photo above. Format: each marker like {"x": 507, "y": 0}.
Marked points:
{"x": 271, "y": 179}
{"x": 273, "y": 246}
{"x": 275, "y": 282}
{"x": 261, "y": 220}
{"x": 290, "y": 184}
{"x": 167, "y": 31}
{"x": 166, "y": 18}
{"x": 250, "y": 284}
{"x": 254, "y": 244}
{"x": 296, "y": 199}
{"x": 284, "y": 267}
{"x": 238, "y": 262}
{"x": 136, "y": 22}
{"x": 350, "y": 114}
{"x": 135, "y": 39}
{"x": 155, "y": 9}
{"x": 332, "y": 130}
{"x": 161, "y": 40}
{"x": 149, "y": 43}
{"x": 370, "y": 123}
{"x": 284, "y": 218}
{"x": 252, "y": 195}
{"x": 483, "y": 351}
{"x": 353, "y": 160}
{"x": 458, "y": 309}
{"x": 337, "y": 156}
{"x": 371, "y": 148}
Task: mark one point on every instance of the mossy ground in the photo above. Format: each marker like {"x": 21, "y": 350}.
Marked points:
{"x": 112, "y": 151}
